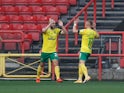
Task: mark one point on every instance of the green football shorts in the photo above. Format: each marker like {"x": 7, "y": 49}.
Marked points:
{"x": 84, "y": 56}
{"x": 45, "y": 56}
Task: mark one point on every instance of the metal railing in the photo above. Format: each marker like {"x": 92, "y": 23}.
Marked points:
{"x": 13, "y": 73}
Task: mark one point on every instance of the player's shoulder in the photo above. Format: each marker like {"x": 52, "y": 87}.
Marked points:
{"x": 81, "y": 30}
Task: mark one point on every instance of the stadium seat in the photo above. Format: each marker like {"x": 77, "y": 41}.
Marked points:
{"x": 63, "y": 9}
{"x": 37, "y": 10}
{"x": 0, "y": 2}
{"x": 122, "y": 62}
{"x": 34, "y": 2}
{"x": 23, "y": 10}
{"x": 114, "y": 46}
{"x": 41, "y": 19}
{"x": 73, "y": 2}
{"x": 21, "y": 2}
{"x": 4, "y": 19}
{"x": 17, "y": 26}
{"x": 10, "y": 46}
{"x": 29, "y": 19}
{"x": 16, "y": 19}
{"x": 27, "y": 44}
{"x": 11, "y": 10}
{"x": 7, "y": 2}
{"x": 2, "y": 11}
{"x": 42, "y": 25}
{"x": 34, "y": 30}
{"x": 48, "y": 2}
{"x": 5, "y": 27}
{"x": 62, "y": 5}
{"x": 52, "y": 12}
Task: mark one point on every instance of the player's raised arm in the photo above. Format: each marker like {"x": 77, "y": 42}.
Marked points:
{"x": 75, "y": 30}
{"x": 63, "y": 30}
{"x": 94, "y": 28}
{"x": 51, "y": 21}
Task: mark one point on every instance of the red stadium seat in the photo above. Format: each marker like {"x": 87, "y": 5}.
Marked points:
{"x": 29, "y": 19}
{"x": 16, "y": 19}
{"x": 7, "y": 2}
{"x": 17, "y": 27}
{"x": 114, "y": 46}
{"x": 48, "y": 2}
{"x": 10, "y": 46}
{"x": 4, "y": 19}
{"x": 63, "y": 9}
{"x": 37, "y": 10}
{"x": 42, "y": 26}
{"x": 0, "y": 2}
{"x": 11, "y": 10}
{"x": 5, "y": 27}
{"x": 62, "y": 5}
{"x": 34, "y": 30}
{"x": 25, "y": 10}
{"x": 52, "y": 12}
{"x": 2, "y": 11}
{"x": 27, "y": 42}
{"x": 73, "y": 2}
{"x": 62, "y": 2}
{"x": 42, "y": 19}
{"x": 21, "y": 2}
{"x": 122, "y": 62}
{"x": 34, "y": 2}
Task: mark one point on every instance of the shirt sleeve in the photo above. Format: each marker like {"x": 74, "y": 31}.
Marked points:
{"x": 81, "y": 31}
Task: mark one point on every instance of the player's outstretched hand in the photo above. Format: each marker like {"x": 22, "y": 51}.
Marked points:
{"x": 94, "y": 25}
{"x": 76, "y": 21}
{"x": 60, "y": 23}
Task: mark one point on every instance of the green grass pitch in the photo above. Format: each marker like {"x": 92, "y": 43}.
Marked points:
{"x": 65, "y": 87}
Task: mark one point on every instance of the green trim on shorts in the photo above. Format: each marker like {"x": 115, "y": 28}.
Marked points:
{"x": 84, "y": 56}
{"x": 45, "y": 56}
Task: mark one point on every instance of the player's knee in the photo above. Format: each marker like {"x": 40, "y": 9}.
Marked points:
{"x": 82, "y": 62}
{"x": 55, "y": 63}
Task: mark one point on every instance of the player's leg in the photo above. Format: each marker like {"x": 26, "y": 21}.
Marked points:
{"x": 44, "y": 58}
{"x": 80, "y": 75}
{"x": 39, "y": 69}
{"x": 82, "y": 68}
{"x": 54, "y": 58}
{"x": 83, "y": 59}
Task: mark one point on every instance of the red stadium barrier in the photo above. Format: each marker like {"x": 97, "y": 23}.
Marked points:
{"x": 112, "y": 4}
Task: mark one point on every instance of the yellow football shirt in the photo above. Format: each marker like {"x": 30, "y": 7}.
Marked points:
{"x": 88, "y": 36}
{"x": 50, "y": 40}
